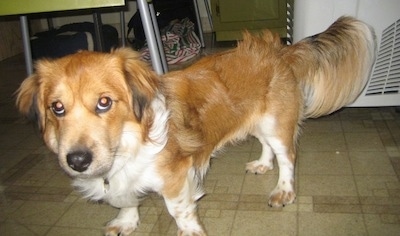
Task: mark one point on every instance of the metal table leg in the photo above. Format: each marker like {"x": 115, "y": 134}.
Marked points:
{"x": 122, "y": 22}
{"x": 98, "y": 31}
{"x": 200, "y": 27}
{"x": 209, "y": 14}
{"x": 158, "y": 38}
{"x": 149, "y": 30}
{"x": 27, "y": 44}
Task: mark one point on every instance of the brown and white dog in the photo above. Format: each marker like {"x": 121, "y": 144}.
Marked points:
{"x": 120, "y": 130}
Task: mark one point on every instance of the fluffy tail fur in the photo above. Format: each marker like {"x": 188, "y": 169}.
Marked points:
{"x": 333, "y": 67}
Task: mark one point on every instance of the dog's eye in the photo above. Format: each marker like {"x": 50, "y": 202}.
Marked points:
{"x": 103, "y": 104}
{"x": 58, "y": 108}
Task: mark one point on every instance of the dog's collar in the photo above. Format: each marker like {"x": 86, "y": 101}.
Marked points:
{"x": 106, "y": 185}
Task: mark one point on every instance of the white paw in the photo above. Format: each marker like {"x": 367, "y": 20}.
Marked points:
{"x": 258, "y": 167}
{"x": 280, "y": 197}
{"x": 119, "y": 227}
{"x": 191, "y": 233}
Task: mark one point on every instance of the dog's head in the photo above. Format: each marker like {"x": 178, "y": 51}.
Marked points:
{"x": 85, "y": 103}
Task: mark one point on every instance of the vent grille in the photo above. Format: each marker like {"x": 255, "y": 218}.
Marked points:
{"x": 385, "y": 78}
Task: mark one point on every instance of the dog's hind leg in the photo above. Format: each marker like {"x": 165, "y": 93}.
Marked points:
{"x": 283, "y": 194}
{"x": 125, "y": 223}
{"x": 265, "y": 162}
{"x": 277, "y": 137}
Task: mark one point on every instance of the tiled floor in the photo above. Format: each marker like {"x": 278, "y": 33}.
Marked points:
{"x": 348, "y": 171}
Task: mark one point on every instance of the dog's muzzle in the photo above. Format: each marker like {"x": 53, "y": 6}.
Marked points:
{"x": 79, "y": 160}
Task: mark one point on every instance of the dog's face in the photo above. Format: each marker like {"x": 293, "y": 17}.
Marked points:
{"x": 86, "y": 103}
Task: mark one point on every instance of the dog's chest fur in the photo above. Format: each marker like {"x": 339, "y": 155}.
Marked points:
{"x": 123, "y": 188}
{"x": 134, "y": 169}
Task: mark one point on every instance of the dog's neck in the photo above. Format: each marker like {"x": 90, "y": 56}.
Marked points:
{"x": 137, "y": 157}
{"x": 106, "y": 185}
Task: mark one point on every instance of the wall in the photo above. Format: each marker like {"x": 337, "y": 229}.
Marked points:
{"x": 10, "y": 38}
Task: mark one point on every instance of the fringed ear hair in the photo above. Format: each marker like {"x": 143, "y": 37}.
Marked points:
{"x": 27, "y": 100}
{"x": 142, "y": 81}
{"x": 140, "y": 101}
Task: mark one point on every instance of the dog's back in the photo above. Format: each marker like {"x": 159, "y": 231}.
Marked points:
{"x": 219, "y": 99}
{"x": 222, "y": 93}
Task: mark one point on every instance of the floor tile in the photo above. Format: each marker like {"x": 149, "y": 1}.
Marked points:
{"x": 324, "y": 163}
{"x": 322, "y": 126}
{"x": 332, "y": 224}
{"x": 259, "y": 184}
{"x": 264, "y": 223}
{"x": 327, "y": 185}
{"x": 39, "y": 213}
{"x": 371, "y": 163}
{"x": 320, "y": 141}
{"x": 229, "y": 163}
{"x": 377, "y": 225}
{"x": 94, "y": 216}
{"x": 219, "y": 222}
{"x": 364, "y": 141}
{"x": 375, "y": 185}
{"x": 68, "y": 231}
{"x": 16, "y": 228}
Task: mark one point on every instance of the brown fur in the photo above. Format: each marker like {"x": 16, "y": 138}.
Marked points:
{"x": 79, "y": 81}
{"x": 219, "y": 98}
{"x": 327, "y": 63}
{"x": 261, "y": 88}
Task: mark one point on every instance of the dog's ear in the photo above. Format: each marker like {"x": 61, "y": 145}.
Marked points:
{"x": 27, "y": 100}
{"x": 142, "y": 81}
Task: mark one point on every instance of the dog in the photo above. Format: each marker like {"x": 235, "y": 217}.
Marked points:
{"x": 121, "y": 131}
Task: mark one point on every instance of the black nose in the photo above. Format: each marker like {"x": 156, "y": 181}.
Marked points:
{"x": 79, "y": 160}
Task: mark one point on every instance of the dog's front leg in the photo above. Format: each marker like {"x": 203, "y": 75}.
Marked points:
{"x": 125, "y": 223}
{"x": 183, "y": 209}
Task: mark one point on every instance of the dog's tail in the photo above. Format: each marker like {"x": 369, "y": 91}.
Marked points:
{"x": 333, "y": 67}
